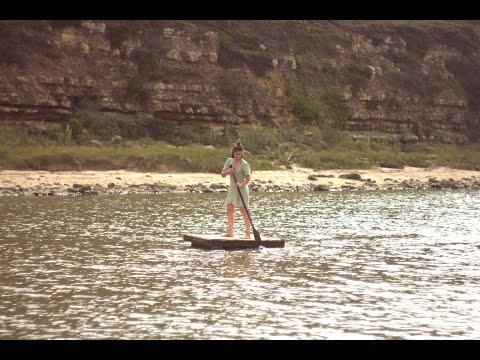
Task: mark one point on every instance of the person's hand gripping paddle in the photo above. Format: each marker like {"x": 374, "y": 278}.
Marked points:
{"x": 256, "y": 235}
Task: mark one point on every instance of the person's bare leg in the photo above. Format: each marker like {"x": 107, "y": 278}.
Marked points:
{"x": 231, "y": 220}
{"x": 246, "y": 221}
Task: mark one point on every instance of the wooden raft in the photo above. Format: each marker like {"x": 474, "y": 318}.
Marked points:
{"x": 227, "y": 243}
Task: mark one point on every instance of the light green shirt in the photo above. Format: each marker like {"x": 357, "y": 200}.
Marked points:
{"x": 240, "y": 173}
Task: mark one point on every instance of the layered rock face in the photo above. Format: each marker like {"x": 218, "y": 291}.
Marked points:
{"x": 402, "y": 112}
{"x": 224, "y": 72}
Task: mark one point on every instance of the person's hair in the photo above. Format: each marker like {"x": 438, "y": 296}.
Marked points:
{"x": 237, "y": 146}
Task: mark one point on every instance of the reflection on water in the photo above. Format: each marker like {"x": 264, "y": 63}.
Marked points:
{"x": 356, "y": 265}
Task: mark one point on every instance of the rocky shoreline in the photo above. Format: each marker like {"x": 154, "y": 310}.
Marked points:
{"x": 348, "y": 181}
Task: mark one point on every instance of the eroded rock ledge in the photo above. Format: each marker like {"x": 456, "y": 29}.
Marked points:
{"x": 190, "y": 78}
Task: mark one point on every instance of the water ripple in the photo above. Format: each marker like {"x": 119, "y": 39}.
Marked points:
{"x": 374, "y": 265}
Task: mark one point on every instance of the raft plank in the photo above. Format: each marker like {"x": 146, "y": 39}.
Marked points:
{"x": 226, "y": 243}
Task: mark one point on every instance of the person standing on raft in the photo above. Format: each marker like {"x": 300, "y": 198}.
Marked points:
{"x": 242, "y": 172}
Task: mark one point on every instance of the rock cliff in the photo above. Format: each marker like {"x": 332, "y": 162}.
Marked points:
{"x": 412, "y": 80}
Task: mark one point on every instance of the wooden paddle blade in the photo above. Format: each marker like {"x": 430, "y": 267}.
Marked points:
{"x": 256, "y": 235}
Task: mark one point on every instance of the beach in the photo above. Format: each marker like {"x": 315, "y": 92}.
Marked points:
{"x": 14, "y": 182}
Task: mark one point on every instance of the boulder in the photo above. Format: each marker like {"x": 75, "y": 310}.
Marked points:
{"x": 192, "y": 56}
{"x": 390, "y": 164}
{"x": 128, "y": 46}
{"x": 93, "y": 27}
{"x": 290, "y": 61}
{"x": 85, "y": 49}
{"x": 84, "y": 189}
{"x": 450, "y": 184}
{"x": 409, "y": 138}
{"x": 174, "y": 55}
{"x": 218, "y": 186}
{"x": 417, "y": 163}
{"x": 351, "y": 176}
{"x": 168, "y": 32}
{"x": 321, "y": 187}
{"x": 407, "y": 184}
{"x": 212, "y": 57}
{"x": 372, "y": 71}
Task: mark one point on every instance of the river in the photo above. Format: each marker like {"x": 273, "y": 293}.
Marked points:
{"x": 356, "y": 265}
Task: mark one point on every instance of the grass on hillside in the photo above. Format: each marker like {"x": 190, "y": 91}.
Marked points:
{"x": 92, "y": 142}
{"x": 362, "y": 155}
{"x": 162, "y": 157}
{"x": 157, "y": 157}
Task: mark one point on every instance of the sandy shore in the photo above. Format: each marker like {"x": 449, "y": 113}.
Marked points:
{"x": 293, "y": 179}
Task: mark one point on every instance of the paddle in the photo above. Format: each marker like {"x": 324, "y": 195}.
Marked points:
{"x": 256, "y": 235}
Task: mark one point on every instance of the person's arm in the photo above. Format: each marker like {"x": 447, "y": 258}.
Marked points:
{"x": 226, "y": 170}
{"x": 244, "y": 182}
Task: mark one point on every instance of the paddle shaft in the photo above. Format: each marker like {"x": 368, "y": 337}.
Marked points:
{"x": 255, "y": 232}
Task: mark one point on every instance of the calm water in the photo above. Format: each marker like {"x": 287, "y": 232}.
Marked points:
{"x": 381, "y": 265}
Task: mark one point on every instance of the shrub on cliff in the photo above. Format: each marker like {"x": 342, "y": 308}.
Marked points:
{"x": 239, "y": 89}
{"x": 118, "y": 31}
{"x": 233, "y": 53}
{"x": 15, "y": 55}
{"x": 19, "y": 40}
{"x": 150, "y": 68}
{"x": 338, "y": 112}
{"x": 136, "y": 91}
{"x": 260, "y": 64}
{"x": 331, "y": 120}
{"x": 146, "y": 61}
{"x": 160, "y": 129}
{"x": 194, "y": 133}
{"x": 354, "y": 73}
{"x": 304, "y": 107}
{"x": 256, "y": 138}
{"x": 85, "y": 126}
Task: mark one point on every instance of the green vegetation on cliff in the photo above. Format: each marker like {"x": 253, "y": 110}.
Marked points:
{"x": 156, "y": 156}
{"x": 150, "y": 144}
{"x": 163, "y": 157}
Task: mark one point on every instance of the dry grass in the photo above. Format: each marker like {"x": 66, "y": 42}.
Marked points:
{"x": 155, "y": 157}
{"x": 362, "y": 155}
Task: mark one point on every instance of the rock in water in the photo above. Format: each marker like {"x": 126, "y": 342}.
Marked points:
{"x": 351, "y": 176}
{"x": 321, "y": 187}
